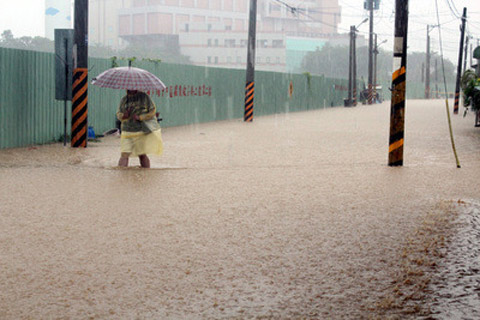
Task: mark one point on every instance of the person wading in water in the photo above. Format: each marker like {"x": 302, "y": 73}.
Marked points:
{"x": 140, "y": 131}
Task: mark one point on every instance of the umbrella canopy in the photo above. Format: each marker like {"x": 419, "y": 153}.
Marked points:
{"x": 128, "y": 78}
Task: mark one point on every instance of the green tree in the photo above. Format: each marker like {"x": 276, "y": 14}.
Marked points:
{"x": 143, "y": 50}
{"x": 7, "y": 40}
{"x": 332, "y": 61}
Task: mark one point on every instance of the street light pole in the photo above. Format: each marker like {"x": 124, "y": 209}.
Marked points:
{"x": 355, "y": 61}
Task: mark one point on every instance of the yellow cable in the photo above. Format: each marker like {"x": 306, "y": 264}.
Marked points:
{"x": 451, "y": 134}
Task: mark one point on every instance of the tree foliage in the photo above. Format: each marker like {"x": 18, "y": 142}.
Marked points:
{"x": 7, "y": 40}
{"x": 145, "y": 51}
{"x": 333, "y": 61}
{"x": 471, "y": 90}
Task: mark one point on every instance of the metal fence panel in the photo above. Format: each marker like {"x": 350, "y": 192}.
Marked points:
{"x": 29, "y": 113}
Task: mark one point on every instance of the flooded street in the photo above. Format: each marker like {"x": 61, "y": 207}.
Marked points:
{"x": 291, "y": 216}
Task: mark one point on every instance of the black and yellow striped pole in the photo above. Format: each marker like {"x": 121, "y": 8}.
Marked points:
{"x": 80, "y": 76}
{"x": 79, "y": 107}
{"x": 250, "y": 82}
{"x": 397, "y": 110}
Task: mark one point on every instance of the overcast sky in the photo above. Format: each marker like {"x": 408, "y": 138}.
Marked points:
{"x": 421, "y": 14}
{"x": 26, "y": 18}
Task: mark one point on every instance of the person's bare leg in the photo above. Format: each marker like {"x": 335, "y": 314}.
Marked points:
{"x": 144, "y": 161}
{"x": 123, "y": 161}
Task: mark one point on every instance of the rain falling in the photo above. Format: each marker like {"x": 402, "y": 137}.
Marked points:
{"x": 239, "y": 159}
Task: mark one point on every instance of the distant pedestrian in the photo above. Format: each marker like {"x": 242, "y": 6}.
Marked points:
{"x": 140, "y": 131}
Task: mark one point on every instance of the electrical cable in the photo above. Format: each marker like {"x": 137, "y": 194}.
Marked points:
{"x": 454, "y": 12}
{"x": 294, "y": 10}
{"x": 446, "y": 90}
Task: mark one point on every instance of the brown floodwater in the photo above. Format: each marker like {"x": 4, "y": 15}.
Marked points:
{"x": 291, "y": 216}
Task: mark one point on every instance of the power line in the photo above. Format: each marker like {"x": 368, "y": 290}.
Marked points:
{"x": 295, "y": 10}
{"x": 454, "y": 12}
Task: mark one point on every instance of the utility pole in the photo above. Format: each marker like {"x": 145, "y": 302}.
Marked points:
{"x": 250, "y": 81}
{"x": 466, "y": 54}
{"x": 397, "y": 109}
{"x": 354, "y": 58}
{"x": 423, "y": 71}
{"x": 349, "y": 102}
{"x": 80, "y": 76}
{"x": 427, "y": 69}
{"x": 436, "y": 79}
{"x": 355, "y": 67}
{"x": 375, "y": 67}
{"x": 471, "y": 54}
{"x": 370, "y": 53}
{"x": 459, "y": 66}
{"x": 375, "y": 53}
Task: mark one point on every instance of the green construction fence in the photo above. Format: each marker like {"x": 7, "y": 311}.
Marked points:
{"x": 30, "y": 115}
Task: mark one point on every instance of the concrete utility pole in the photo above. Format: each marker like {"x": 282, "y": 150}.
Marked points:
{"x": 375, "y": 53}
{"x": 427, "y": 69}
{"x": 397, "y": 110}
{"x": 436, "y": 79}
{"x": 471, "y": 54}
{"x": 423, "y": 71}
{"x": 466, "y": 54}
{"x": 459, "y": 66}
{"x": 250, "y": 81}
{"x": 355, "y": 67}
{"x": 370, "y": 54}
{"x": 349, "y": 101}
{"x": 375, "y": 67}
{"x": 80, "y": 76}
{"x": 353, "y": 39}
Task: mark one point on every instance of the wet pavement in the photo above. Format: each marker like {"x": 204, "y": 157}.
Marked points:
{"x": 291, "y": 216}
{"x": 456, "y": 285}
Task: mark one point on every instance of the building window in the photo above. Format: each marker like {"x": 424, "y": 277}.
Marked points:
{"x": 243, "y": 43}
{"x": 209, "y": 43}
{"x": 239, "y": 60}
{"x": 268, "y": 60}
{"x": 229, "y": 59}
{"x": 187, "y": 27}
{"x": 277, "y": 43}
{"x": 209, "y": 60}
{"x": 262, "y": 43}
{"x": 259, "y": 60}
{"x": 209, "y": 27}
{"x": 216, "y": 42}
{"x": 228, "y": 27}
{"x": 216, "y": 60}
{"x": 230, "y": 43}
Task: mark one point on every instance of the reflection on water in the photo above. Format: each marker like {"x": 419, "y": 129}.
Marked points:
{"x": 291, "y": 216}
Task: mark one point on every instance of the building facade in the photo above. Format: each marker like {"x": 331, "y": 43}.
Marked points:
{"x": 215, "y": 32}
